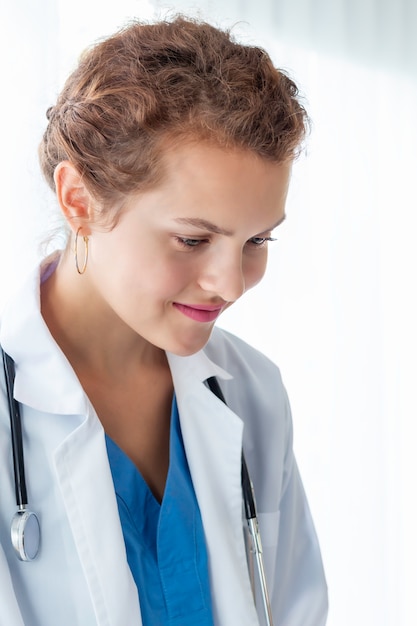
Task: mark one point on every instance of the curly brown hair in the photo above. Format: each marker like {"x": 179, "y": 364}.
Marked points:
{"x": 172, "y": 80}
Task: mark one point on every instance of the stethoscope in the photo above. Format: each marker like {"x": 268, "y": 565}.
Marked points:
{"x": 25, "y": 527}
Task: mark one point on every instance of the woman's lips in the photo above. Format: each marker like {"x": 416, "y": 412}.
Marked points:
{"x": 199, "y": 312}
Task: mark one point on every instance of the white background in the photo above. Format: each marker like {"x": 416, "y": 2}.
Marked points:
{"x": 337, "y": 310}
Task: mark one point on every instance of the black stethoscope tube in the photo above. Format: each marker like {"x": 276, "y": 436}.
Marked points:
{"x": 25, "y": 529}
{"x": 16, "y": 435}
{"x": 251, "y": 518}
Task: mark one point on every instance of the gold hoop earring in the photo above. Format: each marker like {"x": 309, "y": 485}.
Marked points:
{"x": 85, "y": 239}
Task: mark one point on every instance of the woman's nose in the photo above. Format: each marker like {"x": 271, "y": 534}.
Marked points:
{"x": 224, "y": 278}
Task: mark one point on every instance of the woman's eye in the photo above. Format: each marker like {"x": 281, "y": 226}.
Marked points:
{"x": 188, "y": 242}
{"x": 260, "y": 241}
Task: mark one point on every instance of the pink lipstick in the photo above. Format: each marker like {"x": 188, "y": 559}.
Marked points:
{"x": 199, "y": 312}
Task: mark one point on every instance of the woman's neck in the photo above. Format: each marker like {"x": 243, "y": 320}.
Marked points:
{"x": 90, "y": 334}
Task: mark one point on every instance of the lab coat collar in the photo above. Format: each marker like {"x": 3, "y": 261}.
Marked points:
{"x": 39, "y": 362}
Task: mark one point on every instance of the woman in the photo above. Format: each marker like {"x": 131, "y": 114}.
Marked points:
{"x": 170, "y": 151}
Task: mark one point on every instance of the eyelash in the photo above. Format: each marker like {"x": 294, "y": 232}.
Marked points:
{"x": 261, "y": 241}
{"x": 189, "y": 242}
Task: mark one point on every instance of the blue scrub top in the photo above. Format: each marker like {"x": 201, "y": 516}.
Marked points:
{"x": 165, "y": 543}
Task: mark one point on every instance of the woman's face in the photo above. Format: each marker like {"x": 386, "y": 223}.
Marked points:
{"x": 186, "y": 250}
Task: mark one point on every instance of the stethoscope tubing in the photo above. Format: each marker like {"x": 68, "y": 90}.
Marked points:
{"x": 25, "y": 528}
{"x": 16, "y": 435}
{"x": 249, "y": 504}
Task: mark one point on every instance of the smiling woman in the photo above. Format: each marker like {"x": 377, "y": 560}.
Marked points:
{"x": 170, "y": 152}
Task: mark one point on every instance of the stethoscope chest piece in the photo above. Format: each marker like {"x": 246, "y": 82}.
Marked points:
{"x": 25, "y": 535}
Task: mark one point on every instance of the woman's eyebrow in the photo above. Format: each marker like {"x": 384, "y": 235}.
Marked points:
{"x": 198, "y": 222}
{"x": 204, "y": 225}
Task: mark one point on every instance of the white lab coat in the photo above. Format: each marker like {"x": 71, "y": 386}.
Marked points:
{"x": 81, "y": 576}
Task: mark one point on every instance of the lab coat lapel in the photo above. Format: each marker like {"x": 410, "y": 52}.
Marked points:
{"x": 212, "y": 436}
{"x": 87, "y": 489}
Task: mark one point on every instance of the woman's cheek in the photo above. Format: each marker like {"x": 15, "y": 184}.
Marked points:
{"x": 254, "y": 269}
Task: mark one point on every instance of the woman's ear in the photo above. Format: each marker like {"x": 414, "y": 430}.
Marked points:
{"x": 74, "y": 199}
